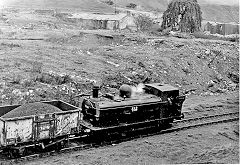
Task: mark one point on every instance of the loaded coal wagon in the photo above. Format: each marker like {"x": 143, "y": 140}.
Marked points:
{"x": 37, "y": 126}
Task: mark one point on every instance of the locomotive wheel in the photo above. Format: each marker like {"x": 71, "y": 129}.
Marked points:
{"x": 168, "y": 123}
{"x": 165, "y": 123}
{"x": 59, "y": 146}
{"x": 38, "y": 149}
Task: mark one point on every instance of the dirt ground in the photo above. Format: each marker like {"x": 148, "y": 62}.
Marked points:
{"x": 210, "y": 105}
{"x": 33, "y": 44}
{"x": 41, "y": 54}
{"x": 209, "y": 144}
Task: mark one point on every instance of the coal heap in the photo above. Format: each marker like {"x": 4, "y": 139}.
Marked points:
{"x": 31, "y": 109}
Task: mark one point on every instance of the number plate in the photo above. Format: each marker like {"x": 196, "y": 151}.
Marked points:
{"x": 134, "y": 109}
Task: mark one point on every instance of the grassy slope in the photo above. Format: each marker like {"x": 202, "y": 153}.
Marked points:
{"x": 220, "y": 13}
{"x": 211, "y": 12}
{"x": 84, "y": 5}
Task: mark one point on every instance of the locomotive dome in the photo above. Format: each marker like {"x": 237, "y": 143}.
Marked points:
{"x": 125, "y": 91}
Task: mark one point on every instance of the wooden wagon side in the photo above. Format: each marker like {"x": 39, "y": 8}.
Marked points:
{"x": 41, "y": 131}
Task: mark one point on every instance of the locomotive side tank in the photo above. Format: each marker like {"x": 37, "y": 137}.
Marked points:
{"x": 157, "y": 104}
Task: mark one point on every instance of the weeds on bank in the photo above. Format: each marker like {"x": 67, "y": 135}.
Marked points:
{"x": 53, "y": 79}
{"x": 232, "y": 38}
{"x": 16, "y": 79}
{"x": 10, "y": 45}
{"x": 54, "y": 87}
{"x": 65, "y": 92}
{"x": 37, "y": 67}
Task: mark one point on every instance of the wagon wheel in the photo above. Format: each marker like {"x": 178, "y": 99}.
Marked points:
{"x": 61, "y": 145}
{"x": 10, "y": 154}
{"x": 13, "y": 153}
{"x": 22, "y": 151}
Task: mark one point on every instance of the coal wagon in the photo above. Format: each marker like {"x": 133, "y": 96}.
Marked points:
{"x": 37, "y": 132}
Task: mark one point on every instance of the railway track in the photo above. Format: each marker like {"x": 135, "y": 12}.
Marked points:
{"x": 176, "y": 126}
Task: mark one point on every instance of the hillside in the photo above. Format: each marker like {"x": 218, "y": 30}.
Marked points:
{"x": 220, "y": 13}
{"x": 212, "y": 10}
{"x": 73, "y": 5}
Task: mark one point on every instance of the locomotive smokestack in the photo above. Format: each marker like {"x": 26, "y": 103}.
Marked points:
{"x": 96, "y": 89}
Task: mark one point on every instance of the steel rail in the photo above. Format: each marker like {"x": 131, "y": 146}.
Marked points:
{"x": 177, "y": 126}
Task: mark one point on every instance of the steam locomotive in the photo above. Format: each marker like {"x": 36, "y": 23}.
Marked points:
{"x": 155, "y": 105}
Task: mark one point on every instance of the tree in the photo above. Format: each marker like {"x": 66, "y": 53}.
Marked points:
{"x": 131, "y": 5}
{"x": 143, "y": 22}
{"x": 183, "y": 15}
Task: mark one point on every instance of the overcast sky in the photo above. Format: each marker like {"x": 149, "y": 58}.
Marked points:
{"x": 224, "y": 2}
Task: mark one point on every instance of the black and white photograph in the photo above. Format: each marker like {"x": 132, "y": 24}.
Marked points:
{"x": 119, "y": 82}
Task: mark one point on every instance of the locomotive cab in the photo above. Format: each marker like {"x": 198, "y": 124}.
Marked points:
{"x": 168, "y": 93}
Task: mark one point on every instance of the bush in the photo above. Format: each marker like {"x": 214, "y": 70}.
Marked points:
{"x": 53, "y": 79}
{"x": 143, "y": 22}
{"x": 11, "y": 45}
{"x": 37, "y": 67}
{"x": 109, "y": 2}
{"x": 27, "y": 83}
{"x": 16, "y": 79}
